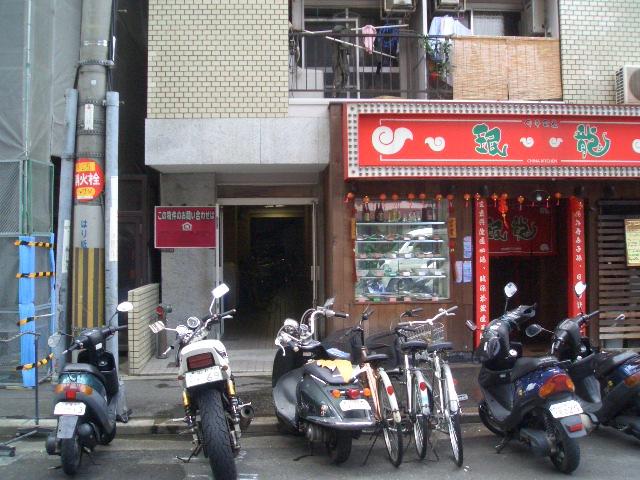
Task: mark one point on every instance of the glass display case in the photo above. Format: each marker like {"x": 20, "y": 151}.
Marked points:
{"x": 401, "y": 254}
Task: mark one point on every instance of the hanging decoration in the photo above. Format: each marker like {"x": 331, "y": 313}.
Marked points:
{"x": 450, "y": 198}
{"x": 548, "y": 198}
{"x": 520, "y": 201}
{"x": 467, "y": 197}
{"x": 349, "y": 197}
{"x": 383, "y": 197}
{"x": 557, "y": 196}
{"x": 439, "y": 198}
{"x": 411, "y": 197}
{"x": 494, "y": 197}
{"x": 503, "y": 208}
{"x": 477, "y": 197}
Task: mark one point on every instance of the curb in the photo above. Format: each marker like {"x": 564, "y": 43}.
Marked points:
{"x": 163, "y": 426}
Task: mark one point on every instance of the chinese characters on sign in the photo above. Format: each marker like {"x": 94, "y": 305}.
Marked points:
{"x": 412, "y": 140}
{"x": 577, "y": 255}
{"x": 185, "y": 227}
{"x": 88, "y": 180}
{"x": 481, "y": 267}
{"x": 530, "y": 231}
{"x": 632, "y": 241}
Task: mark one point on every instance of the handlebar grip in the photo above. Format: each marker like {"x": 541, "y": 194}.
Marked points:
{"x": 233, "y": 311}
{"x": 121, "y": 327}
{"x": 452, "y": 309}
{"x": 341, "y": 315}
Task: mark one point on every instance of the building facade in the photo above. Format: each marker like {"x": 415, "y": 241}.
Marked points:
{"x": 263, "y": 110}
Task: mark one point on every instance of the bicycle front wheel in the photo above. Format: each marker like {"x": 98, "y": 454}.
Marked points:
{"x": 419, "y": 420}
{"x": 452, "y": 414}
{"x": 391, "y": 427}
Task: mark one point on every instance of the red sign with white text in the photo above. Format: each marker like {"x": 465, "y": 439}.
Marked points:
{"x": 88, "y": 181}
{"x": 387, "y": 140}
{"x": 185, "y": 227}
{"x": 529, "y": 230}
{"x": 481, "y": 267}
{"x": 577, "y": 256}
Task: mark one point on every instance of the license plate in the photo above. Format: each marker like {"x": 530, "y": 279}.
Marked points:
{"x": 206, "y": 375}
{"x": 69, "y": 408}
{"x": 360, "y": 404}
{"x": 463, "y": 397}
{"x": 565, "y": 409}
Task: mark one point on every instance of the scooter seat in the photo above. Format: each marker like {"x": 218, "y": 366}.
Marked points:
{"x": 526, "y": 365}
{"x": 437, "y": 347}
{"x": 414, "y": 346}
{"x": 328, "y": 375}
{"x": 84, "y": 368}
{"x": 375, "y": 358}
{"x": 608, "y": 362}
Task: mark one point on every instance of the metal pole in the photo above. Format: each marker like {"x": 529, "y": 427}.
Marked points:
{"x": 63, "y": 237}
{"x": 35, "y": 347}
{"x": 111, "y": 214}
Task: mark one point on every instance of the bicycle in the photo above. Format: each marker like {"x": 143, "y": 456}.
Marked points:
{"x": 385, "y": 404}
{"x": 444, "y": 416}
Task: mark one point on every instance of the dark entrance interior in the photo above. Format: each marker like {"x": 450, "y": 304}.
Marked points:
{"x": 541, "y": 279}
{"x": 267, "y": 258}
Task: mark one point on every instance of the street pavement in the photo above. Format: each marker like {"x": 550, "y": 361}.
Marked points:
{"x": 605, "y": 454}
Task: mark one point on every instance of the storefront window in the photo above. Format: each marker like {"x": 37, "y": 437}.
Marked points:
{"x": 401, "y": 251}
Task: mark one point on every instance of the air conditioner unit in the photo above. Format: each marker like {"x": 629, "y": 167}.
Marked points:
{"x": 399, "y": 5}
{"x": 628, "y": 84}
{"x": 449, "y": 4}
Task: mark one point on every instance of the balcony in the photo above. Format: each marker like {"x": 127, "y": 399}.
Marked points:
{"x": 411, "y": 66}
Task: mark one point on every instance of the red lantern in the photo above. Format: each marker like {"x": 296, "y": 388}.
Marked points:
{"x": 450, "y": 198}
{"x": 383, "y": 197}
{"x": 503, "y": 208}
{"x": 439, "y": 198}
{"x": 477, "y": 196}
{"x": 520, "y": 201}
{"x": 558, "y": 196}
{"x": 467, "y": 197}
{"x": 349, "y": 197}
{"x": 494, "y": 197}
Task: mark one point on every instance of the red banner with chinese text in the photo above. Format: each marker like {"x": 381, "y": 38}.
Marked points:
{"x": 185, "y": 227}
{"x": 529, "y": 230}
{"x": 389, "y": 140}
{"x": 481, "y": 268}
{"x": 577, "y": 255}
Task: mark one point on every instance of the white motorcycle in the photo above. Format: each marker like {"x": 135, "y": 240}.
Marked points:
{"x": 214, "y": 414}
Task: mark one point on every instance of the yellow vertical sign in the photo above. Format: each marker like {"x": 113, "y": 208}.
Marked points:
{"x": 632, "y": 241}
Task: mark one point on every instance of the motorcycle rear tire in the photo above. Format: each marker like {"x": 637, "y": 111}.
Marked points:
{"x": 567, "y": 457}
{"x": 215, "y": 435}
{"x": 70, "y": 454}
{"x": 340, "y": 447}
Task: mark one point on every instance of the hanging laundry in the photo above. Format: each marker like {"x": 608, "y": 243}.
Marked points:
{"x": 369, "y": 40}
{"x": 388, "y": 38}
{"x": 340, "y": 60}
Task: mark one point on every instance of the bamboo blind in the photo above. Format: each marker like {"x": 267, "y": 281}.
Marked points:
{"x": 506, "y": 68}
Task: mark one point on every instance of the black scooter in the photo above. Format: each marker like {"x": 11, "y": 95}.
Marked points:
{"x": 528, "y": 399}
{"x": 607, "y": 384}
{"x": 86, "y": 396}
{"x": 316, "y": 391}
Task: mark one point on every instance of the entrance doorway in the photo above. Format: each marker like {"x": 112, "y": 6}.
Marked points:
{"x": 267, "y": 258}
{"x": 539, "y": 269}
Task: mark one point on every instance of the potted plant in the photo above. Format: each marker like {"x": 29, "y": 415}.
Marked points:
{"x": 438, "y": 56}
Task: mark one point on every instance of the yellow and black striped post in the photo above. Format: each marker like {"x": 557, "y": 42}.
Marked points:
{"x": 88, "y": 287}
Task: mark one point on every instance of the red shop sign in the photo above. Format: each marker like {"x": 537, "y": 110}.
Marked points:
{"x": 529, "y": 230}
{"x": 418, "y": 140}
{"x": 185, "y": 227}
{"x": 481, "y": 283}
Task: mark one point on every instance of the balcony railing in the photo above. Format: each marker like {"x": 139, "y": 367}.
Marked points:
{"x": 338, "y": 65}
{"x": 409, "y": 65}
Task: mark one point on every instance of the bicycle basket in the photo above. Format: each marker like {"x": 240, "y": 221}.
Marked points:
{"x": 430, "y": 333}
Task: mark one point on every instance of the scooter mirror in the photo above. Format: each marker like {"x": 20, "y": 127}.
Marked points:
{"x": 579, "y": 288}
{"x": 619, "y": 318}
{"x": 125, "y": 307}
{"x": 510, "y": 289}
{"x": 157, "y": 327}
{"x": 220, "y": 290}
{"x": 329, "y": 303}
{"x": 471, "y": 326}
{"x": 54, "y": 340}
{"x": 533, "y": 330}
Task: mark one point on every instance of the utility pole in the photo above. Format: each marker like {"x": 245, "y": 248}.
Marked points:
{"x": 89, "y": 179}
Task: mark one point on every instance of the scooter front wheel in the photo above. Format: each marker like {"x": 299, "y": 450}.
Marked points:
{"x": 70, "y": 454}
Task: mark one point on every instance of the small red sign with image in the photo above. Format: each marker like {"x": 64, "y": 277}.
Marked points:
{"x": 185, "y": 227}
{"x": 88, "y": 180}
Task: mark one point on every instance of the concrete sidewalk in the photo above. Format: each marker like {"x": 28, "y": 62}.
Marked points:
{"x": 154, "y": 401}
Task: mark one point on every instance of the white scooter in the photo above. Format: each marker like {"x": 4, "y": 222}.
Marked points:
{"x": 213, "y": 412}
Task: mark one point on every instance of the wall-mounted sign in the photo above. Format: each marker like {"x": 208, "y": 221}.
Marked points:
{"x": 88, "y": 180}
{"x": 415, "y": 140}
{"x": 525, "y": 230}
{"x": 481, "y": 268}
{"x": 632, "y": 240}
{"x": 185, "y": 227}
{"x": 577, "y": 256}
